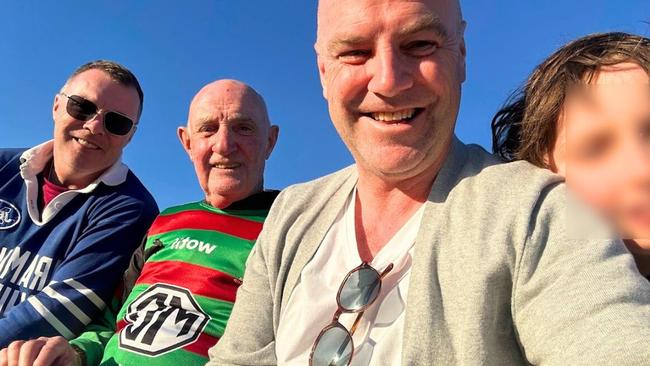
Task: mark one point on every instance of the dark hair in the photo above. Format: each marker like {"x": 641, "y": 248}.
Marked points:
{"x": 525, "y": 128}
{"x": 116, "y": 72}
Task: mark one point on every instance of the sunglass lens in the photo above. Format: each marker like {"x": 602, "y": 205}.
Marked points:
{"x": 80, "y": 108}
{"x": 117, "y": 124}
{"x": 333, "y": 348}
{"x": 359, "y": 289}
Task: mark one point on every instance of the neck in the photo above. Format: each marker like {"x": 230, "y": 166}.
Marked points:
{"x": 383, "y": 206}
{"x": 59, "y": 175}
{"x": 224, "y": 201}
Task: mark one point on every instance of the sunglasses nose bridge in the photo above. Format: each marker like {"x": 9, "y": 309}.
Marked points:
{"x": 95, "y": 123}
{"x": 337, "y": 315}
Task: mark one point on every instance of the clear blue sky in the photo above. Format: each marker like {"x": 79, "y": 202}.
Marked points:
{"x": 175, "y": 47}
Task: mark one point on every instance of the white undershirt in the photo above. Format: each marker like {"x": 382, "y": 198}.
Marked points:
{"x": 312, "y": 304}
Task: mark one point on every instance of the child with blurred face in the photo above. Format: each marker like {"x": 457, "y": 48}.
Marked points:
{"x": 585, "y": 114}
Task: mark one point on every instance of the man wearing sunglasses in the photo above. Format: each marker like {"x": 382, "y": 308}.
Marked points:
{"x": 426, "y": 251}
{"x": 179, "y": 290}
{"x": 71, "y": 213}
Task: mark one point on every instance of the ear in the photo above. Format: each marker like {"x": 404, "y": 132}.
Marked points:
{"x": 133, "y": 129}
{"x": 321, "y": 70}
{"x": 553, "y": 165}
{"x": 184, "y": 137}
{"x": 547, "y": 159}
{"x": 56, "y": 106}
{"x": 463, "y": 52}
{"x": 274, "y": 132}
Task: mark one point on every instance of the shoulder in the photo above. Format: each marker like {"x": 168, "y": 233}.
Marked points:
{"x": 317, "y": 189}
{"x": 131, "y": 195}
{"x": 486, "y": 175}
{"x": 176, "y": 209}
{"x": 298, "y": 206}
{"x": 134, "y": 187}
{"x": 495, "y": 196}
{"x": 11, "y": 154}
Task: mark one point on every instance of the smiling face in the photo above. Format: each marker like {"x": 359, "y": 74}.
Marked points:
{"x": 391, "y": 72}
{"x": 228, "y": 139}
{"x": 603, "y": 148}
{"x": 84, "y": 149}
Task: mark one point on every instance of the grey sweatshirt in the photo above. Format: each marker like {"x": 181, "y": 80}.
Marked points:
{"x": 496, "y": 277}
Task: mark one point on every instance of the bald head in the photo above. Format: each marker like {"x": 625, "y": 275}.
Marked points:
{"x": 328, "y": 10}
{"x": 228, "y": 138}
{"x": 221, "y": 93}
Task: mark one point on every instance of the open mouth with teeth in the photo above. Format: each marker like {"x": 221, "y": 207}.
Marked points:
{"x": 402, "y": 116}
{"x": 226, "y": 165}
{"x": 86, "y": 143}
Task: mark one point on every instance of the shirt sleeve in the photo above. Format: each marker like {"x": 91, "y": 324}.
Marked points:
{"x": 94, "y": 339}
{"x": 578, "y": 300}
{"x": 85, "y": 280}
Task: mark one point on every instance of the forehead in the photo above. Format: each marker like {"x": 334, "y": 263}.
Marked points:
{"x": 367, "y": 18}
{"x": 227, "y": 106}
{"x": 621, "y": 89}
{"x": 97, "y": 86}
{"x": 626, "y": 73}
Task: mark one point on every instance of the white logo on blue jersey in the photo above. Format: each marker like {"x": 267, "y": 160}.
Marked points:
{"x": 9, "y": 215}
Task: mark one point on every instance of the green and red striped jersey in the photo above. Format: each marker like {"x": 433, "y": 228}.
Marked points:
{"x": 180, "y": 303}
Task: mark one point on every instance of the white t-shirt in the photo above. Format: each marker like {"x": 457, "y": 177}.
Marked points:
{"x": 312, "y": 304}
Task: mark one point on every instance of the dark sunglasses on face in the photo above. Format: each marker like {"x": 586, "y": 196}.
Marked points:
{"x": 84, "y": 110}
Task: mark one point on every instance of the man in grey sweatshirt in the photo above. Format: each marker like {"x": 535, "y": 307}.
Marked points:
{"x": 426, "y": 251}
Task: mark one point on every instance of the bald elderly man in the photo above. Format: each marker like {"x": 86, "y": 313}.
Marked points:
{"x": 426, "y": 251}
{"x": 180, "y": 289}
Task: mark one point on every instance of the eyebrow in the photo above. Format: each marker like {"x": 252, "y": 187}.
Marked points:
{"x": 238, "y": 117}
{"x": 428, "y": 22}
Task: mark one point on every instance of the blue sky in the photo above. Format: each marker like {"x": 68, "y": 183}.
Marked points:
{"x": 176, "y": 47}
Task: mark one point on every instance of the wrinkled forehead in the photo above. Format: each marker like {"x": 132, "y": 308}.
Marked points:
{"x": 228, "y": 106}
{"x": 345, "y": 17}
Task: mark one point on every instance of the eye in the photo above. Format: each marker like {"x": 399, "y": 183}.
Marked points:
{"x": 208, "y": 129}
{"x": 644, "y": 131}
{"x": 245, "y": 129}
{"x": 420, "y": 48}
{"x": 354, "y": 57}
{"x": 594, "y": 149}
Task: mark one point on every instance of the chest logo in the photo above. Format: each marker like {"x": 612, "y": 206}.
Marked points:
{"x": 162, "y": 319}
{"x": 9, "y": 215}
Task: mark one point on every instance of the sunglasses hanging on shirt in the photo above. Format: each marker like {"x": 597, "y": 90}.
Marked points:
{"x": 359, "y": 290}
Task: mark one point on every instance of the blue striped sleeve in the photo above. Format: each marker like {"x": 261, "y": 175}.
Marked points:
{"x": 84, "y": 281}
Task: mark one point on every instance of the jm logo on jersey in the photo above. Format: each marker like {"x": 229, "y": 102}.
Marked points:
{"x": 162, "y": 319}
{"x": 9, "y": 215}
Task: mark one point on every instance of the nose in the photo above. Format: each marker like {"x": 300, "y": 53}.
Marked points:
{"x": 390, "y": 73}
{"x": 95, "y": 125}
{"x": 223, "y": 142}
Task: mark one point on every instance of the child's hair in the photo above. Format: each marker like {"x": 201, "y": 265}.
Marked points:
{"x": 525, "y": 128}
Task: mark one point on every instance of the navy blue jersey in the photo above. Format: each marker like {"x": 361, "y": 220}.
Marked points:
{"x": 59, "y": 266}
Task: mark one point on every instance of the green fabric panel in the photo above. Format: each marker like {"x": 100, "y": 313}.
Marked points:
{"x": 229, "y": 254}
{"x": 96, "y": 335}
{"x": 178, "y": 357}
